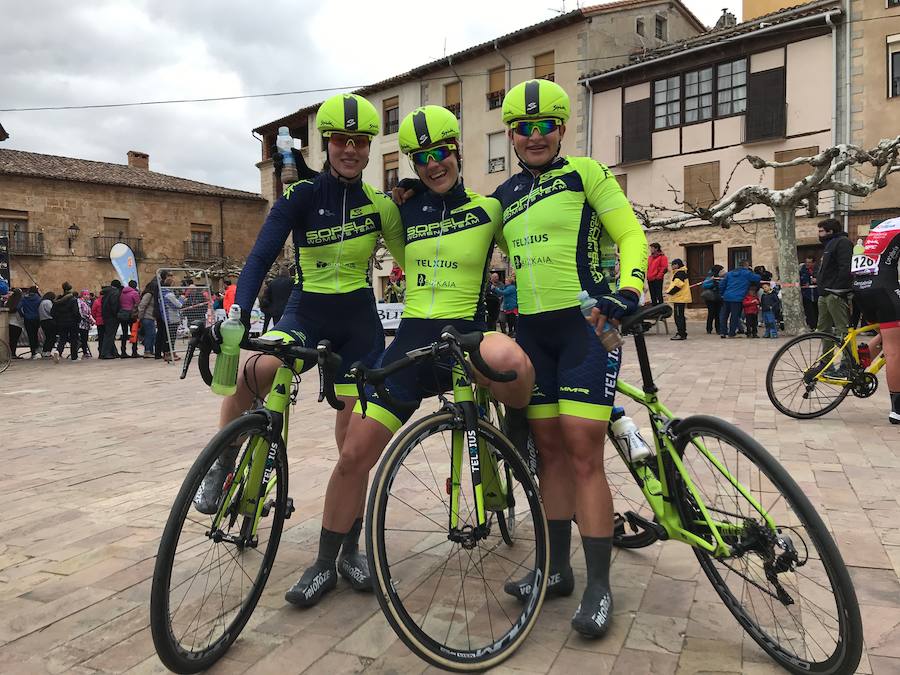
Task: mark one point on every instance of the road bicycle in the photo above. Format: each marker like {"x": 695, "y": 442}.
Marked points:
{"x": 211, "y": 570}
{"x": 811, "y": 374}
{"x": 5, "y": 356}
{"x": 453, "y": 514}
{"x": 758, "y": 539}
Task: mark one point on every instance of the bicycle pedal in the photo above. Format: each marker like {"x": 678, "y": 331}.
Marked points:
{"x": 635, "y": 521}
{"x": 290, "y": 508}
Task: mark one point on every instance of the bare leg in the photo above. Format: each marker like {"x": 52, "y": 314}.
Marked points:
{"x": 502, "y": 353}
{"x": 261, "y": 373}
{"x": 593, "y": 502}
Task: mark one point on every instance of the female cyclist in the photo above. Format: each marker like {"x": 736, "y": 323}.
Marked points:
{"x": 449, "y": 233}
{"x": 555, "y": 212}
{"x": 334, "y": 219}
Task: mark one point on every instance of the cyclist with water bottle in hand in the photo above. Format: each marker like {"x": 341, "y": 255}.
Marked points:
{"x": 556, "y": 212}
{"x": 334, "y": 218}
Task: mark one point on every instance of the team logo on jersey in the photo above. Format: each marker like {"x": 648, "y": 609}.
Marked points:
{"x": 531, "y": 239}
{"x": 455, "y": 223}
{"x": 546, "y": 189}
{"x": 531, "y": 261}
{"x": 638, "y": 274}
{"x": 321, "y": 263}
{"x": 329, "y": 235}
{"x": 326, "y": 212}
{"x": 420, "y": 280}
{"x": 437, "y": 263}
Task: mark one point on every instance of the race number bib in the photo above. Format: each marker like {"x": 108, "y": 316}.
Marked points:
{"x": 864, "y": 264}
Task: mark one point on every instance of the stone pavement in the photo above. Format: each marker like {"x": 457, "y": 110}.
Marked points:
{"x": 93, "y": 454}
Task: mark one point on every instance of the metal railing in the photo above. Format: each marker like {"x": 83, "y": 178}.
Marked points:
{"x": 102, "y": 244}
{"x": 27, "y": 243}
{"x": 203, "y": 250}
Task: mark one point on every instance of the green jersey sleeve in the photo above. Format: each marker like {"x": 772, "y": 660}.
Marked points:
{"x": 604, "y": 195}
{"x": 391, "y": 227}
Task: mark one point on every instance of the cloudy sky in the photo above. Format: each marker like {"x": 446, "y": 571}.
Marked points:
{"x": 63, "y": 53}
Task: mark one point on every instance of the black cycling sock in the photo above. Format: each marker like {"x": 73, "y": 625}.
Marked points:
{"x": 351, "y": 539}
{"x": 560, "y": 532}
{"x": 597, "y": 554}
{"x": 594, "y": 614}
{"x": 895, "y": 401}
{"x": 329, "y": 545}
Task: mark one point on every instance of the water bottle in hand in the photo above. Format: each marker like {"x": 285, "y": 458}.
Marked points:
{"x": 285, "y": 144}
{"x": 610, "y": 337}
{"x": 225, "y": 371}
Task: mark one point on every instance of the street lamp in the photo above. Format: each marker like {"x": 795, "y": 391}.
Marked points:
{"x": 73, "y": 235}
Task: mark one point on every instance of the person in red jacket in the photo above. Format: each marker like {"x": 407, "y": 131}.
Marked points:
{"x": 657, "y": 267}
{"x": 750, "y": 305}
{"x": 97, "y": 313}
{"x": 228, "y": 298}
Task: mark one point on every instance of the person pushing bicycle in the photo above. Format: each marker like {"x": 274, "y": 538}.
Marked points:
{"x": 555, "y": 212}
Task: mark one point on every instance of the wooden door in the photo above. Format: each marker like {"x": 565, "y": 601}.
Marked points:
{"x": 699, "y": 260}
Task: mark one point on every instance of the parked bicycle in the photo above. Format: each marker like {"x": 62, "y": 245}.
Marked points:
{"x": 811, "y": 374}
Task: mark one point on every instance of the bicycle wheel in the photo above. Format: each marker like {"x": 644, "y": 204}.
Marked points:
{"x": 445, "y": 598}
{"x": 791, "y": 378}
{"x": 5, "y": 356}
{"x": 788, "y": 588}
{"x": 205, "y": 586}
{"x": 627, "y": 496}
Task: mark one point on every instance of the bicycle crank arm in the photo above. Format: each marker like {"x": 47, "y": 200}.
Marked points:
{"x": 637, "y": 521}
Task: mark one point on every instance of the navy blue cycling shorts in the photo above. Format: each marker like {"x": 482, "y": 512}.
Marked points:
{"x": 418, "y": 381}
{"x": 348, "y": 320}
{"x": 574, "y": 374}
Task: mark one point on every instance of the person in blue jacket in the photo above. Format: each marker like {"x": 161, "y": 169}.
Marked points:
{"x": 28, "y": 308}
{"x": 733, "y": 289}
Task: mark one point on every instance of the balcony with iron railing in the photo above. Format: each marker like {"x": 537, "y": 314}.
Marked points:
{"x": 203, "y": 250}
{"x": 104, "y": 242}
{"x": 27, "y": 243}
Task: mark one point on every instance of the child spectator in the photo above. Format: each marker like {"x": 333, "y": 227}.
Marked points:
{"x": 770, "y": 305}
{"x": 750, "y": 306}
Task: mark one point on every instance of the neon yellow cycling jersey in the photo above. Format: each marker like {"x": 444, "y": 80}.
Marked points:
{"x": 555, "y": 226}
{"x": 449, "y": 239}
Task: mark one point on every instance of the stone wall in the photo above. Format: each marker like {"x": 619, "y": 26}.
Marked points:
{"x": 161, "y": 219}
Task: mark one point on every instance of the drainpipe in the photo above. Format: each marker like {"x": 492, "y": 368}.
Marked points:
{"x": 847, "y": 52}
{"x": 835, "y": 66}
{"x": 589, "y": 135}
{"x": 508, "y": 87}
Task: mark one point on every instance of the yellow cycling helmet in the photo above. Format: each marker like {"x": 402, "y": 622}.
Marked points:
{"x": 348, "y": 114}
{"x": 426, "y": 126}
{"x": 536, "y": 99}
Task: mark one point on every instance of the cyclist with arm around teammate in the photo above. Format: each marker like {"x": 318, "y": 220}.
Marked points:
{"x": 334, "y": 219}
{"x": 449, "y": 233}
{"x": 554, "y": 214}
{"x": 876, "y": 289}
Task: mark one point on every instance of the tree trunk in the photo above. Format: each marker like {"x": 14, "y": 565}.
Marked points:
{"x": 789, "y": 270}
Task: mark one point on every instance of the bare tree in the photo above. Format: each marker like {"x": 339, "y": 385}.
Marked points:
{"x": 830, "y": 170}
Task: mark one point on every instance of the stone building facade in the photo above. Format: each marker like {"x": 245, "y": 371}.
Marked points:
{"x": 64, "y": 214}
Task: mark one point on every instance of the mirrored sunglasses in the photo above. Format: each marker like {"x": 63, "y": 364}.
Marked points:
{"x": 343, "y": 140}
{"x": 439, "y": 153}
{"x": 527, "y": 127}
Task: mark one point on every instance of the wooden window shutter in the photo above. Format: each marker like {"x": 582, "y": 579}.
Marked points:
{"x": 636, "y": 131}
{"x": 766, "y": 113}
{"x": 497, "y": 79}
{"x": 701, "y": 185}
{"x": 451, "y": 94}
{"x": 786, "y": 177}
{"x": 544, "y": 65}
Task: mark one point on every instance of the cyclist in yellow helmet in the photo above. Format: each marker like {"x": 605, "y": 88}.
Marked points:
{"x": 556, "y": 214}
{"x": 448, "y": 236}
{"x": 334, "y": 218}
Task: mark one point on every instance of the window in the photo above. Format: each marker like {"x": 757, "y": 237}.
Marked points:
{"x": 667, "y": 102}
{"x": 766, "y": 113}
{"x": 739, "y": 254}
{"x": 497, "y": 146}
{"x": 622, "y": 180}
{"x": 14, "y": 224}
{"x": 391, "y": 171}
{"x": 786, "y": 177}
{"x": 115, "y": 227}
{"x": 893, "y": 3}
{"x": 452, "y": 98}
{"x": 701, "y": 185}
{"x": 496, "y": 87}
{"x": 639, "y": 26}
{"x": 391, "y": 114}
{"x": 661, "y": 31}
{"x": 636, "y": 131}
{"x": 698, "y": 95}
{"x": 544, "y": 66}
{"x": 731, "y": 95}
{"x": 894, "y": 63}
{"x": 201, "y": 241}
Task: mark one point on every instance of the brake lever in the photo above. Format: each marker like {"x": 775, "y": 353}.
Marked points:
{"x": 357, "y": 371}
{"x": 328, "y": 362}
{"x": 196, "y": 336}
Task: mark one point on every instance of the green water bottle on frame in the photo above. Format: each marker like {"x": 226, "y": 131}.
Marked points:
{"x": 225, "y": 371}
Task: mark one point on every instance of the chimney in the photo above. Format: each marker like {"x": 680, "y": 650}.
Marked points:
{"x": 139, "y": 160}
{"x": 727, "y": 20}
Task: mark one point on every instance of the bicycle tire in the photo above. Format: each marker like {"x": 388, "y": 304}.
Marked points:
{"x": 507, "y": 521}
{"x": 169, "y": 647}
{"x": 789, "y": 506}
{"x": 774, "y": 389}
{"x": 391, "y": 587}
{"x": 5, "y": 356}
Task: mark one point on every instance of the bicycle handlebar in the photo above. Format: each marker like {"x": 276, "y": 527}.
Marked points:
{"x": 451, "y": 342}
{"x": 328, "y": 362}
